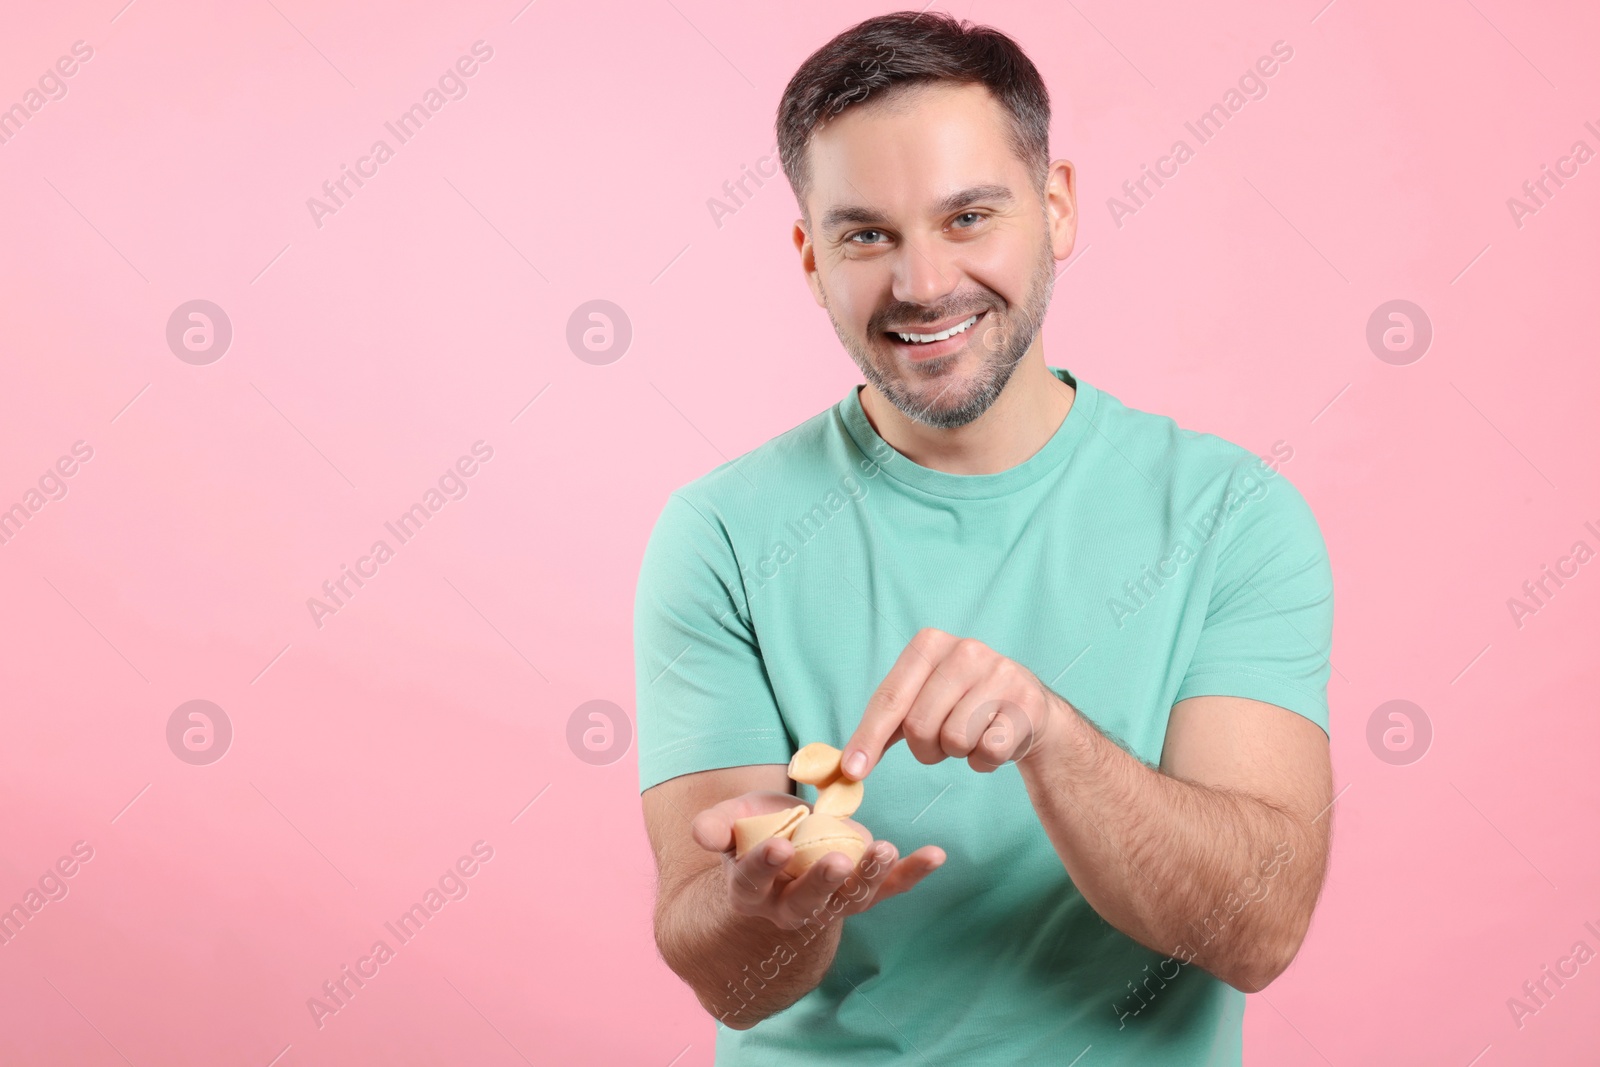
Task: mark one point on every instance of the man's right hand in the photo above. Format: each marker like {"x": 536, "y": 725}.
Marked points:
{"x": 758, "y": 887}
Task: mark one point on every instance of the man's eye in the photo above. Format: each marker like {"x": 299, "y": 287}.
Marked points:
{"x": 855, "y": 235}
{"x": 972, "y": 214}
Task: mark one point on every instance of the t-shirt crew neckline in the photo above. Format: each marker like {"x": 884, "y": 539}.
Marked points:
{"x": 975, "y": 486}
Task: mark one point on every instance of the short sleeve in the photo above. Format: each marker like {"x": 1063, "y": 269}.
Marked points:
{"x": 704, "y": 699}
{"x": 1268, "y": 631}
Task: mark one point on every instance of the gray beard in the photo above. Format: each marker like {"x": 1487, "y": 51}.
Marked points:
{"x": 1002, "y": 346}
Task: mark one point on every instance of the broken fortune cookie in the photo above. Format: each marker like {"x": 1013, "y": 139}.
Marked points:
{"x": 818, "y": 764}
{"x": 814, "y": 833}
{"x": 816, "y": 836}
{"x": 840, "y": 797}
{"x": 750, "y": 832}
{"x": 815, "y": 764}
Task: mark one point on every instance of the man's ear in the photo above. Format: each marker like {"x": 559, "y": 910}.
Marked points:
{"x": 1061, "y": 207}
{"x": 808, "y": 260}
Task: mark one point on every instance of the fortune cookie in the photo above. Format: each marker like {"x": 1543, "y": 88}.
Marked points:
{"x": 750, "y": 832}
{"x": 840, "y": 797}
{"x": 816, "y": 836}
{"x": 814, "y": 833}
{"x": 816, "y": 764}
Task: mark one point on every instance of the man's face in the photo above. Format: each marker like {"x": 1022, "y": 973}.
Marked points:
{"x": 922, "y": 218}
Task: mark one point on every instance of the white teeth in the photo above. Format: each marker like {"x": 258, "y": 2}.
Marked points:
{"x": 929, "y": 338}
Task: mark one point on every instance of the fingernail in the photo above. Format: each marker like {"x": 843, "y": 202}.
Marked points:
{"x": 773, "y": 858}
{"x": 855, "y": 763}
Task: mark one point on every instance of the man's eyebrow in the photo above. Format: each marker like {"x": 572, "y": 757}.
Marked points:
{"x": 851, "y": 215}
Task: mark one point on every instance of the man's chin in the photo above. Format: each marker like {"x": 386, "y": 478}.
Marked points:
{"x": 935, "y": 401}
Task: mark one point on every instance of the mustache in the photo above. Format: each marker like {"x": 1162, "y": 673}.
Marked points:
{"x": 884, "y": 323}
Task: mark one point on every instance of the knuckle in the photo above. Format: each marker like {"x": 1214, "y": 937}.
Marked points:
{"x": 956, "y": 736}
{"x": 998, "y": 729}
{"x": 921, "y": 733}
{"x": 916, "y": 721}
{"x": 970, "y": 649}
{"x": 1010, "y": 673}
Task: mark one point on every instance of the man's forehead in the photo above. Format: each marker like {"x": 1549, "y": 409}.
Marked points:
{"x": 925, "y": 149}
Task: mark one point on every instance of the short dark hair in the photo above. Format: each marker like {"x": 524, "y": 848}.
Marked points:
{"x": 872, "y": 59}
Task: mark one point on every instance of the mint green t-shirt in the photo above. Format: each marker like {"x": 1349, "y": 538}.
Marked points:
{"x": 1129, "y": 564}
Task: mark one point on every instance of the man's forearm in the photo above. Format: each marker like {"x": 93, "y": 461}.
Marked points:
{"x": 742, "y": 969}
{"x": 1220, "y": 879}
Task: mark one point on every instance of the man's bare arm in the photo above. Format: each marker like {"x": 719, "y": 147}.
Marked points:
{"x": 1228, "y": 829}
{"x": 1218, "y": 858}
{"x": 746, "y": 940}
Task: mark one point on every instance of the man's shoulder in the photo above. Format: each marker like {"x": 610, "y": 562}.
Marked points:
{"x": 1163, "y": 449}
{"x": 1196, "y": 473}
{"x": 1238, "y": 512}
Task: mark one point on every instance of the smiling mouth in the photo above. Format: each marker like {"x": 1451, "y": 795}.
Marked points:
{"x": 933, "y": 338}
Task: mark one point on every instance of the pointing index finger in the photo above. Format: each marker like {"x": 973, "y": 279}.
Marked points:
{"x": 892, "y": 700}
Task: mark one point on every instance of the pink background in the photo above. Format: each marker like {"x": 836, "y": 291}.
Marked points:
{"x": 372, "y": 351}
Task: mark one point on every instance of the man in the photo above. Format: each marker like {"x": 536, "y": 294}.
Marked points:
{"x": 1102, "y": 638}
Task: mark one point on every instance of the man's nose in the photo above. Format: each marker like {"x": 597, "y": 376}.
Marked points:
{"x": 925, "y": 273}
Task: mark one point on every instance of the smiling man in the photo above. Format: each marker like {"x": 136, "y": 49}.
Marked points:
{"x": 1102, "y": 638}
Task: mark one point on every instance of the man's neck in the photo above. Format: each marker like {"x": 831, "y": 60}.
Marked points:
{"x": 1022, "y": 419}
